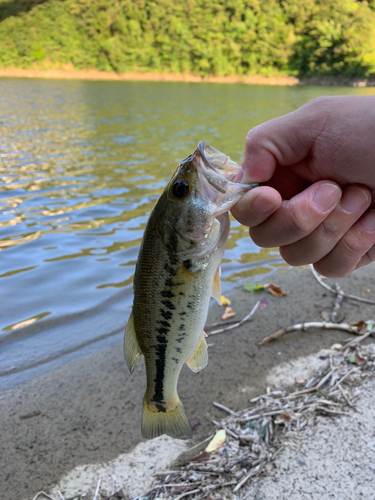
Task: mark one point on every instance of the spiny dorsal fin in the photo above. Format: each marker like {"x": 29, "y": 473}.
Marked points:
{"x": 216, "y": 287}
{"x": 132, "y": 351}
{"x": 198, "y": 360}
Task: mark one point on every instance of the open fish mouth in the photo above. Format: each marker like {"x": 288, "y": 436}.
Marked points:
{"x": 218, "y": 162}
{"x": 218, "y": 169}
{"x": 217, "y": 173}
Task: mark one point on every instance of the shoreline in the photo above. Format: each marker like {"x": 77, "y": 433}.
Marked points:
{"x": 94, "y": 74}
{"x": 88, "y": 411}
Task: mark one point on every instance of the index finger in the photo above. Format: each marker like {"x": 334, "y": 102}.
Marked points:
{"x": 286, "y": 140}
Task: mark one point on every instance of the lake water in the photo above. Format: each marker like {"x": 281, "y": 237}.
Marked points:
{"x": 81, "y": 165}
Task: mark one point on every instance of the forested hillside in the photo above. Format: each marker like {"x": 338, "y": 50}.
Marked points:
{"x": 205, "y": 37}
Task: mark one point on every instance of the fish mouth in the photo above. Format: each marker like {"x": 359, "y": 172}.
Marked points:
{"x": 217, "y": 173}
{"x": 218, "y": 169}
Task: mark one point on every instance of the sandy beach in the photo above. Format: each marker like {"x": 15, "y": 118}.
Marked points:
{"x": 70, "y": 73}
{"x": 88, "y": 411}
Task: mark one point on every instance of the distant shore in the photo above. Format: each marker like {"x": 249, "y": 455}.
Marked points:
{"x": 94, "y": 74}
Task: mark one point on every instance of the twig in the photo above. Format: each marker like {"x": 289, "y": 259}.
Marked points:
{"x": 43, "y": 493}
{"x": 97, "y": 489}
{"x": 315, "y": 388}
{"x": 187, "y": 493}
{"x": 220, "y": 323}
{"x": 334, "y": 412}
{"x": 236, "y": 325}
{"x": 60, "y": 495}
{"x": 158, "y": 486}
{"x": 332, "y": 290}
{"x": 312, "y": 324}
{"x": 246, "y": 478}
{"x": 214, "y": 487}
{"x": 224, "y": 408}
{"x": 336, "y": 307}
{"x": 359, "y": 339}
{"x": 345, "y": 396}
{"x": 343, "y": 378}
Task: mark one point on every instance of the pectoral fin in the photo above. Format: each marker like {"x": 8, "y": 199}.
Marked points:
{"x": 199, "y": 358}
{"x": 132, "y": 351}
{"x": 216, "y": 287}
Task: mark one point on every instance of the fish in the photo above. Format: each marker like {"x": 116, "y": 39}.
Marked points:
{"x": 177, "y": 272}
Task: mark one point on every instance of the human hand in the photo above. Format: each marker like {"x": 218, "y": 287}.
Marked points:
{"x": 319, "y": 166}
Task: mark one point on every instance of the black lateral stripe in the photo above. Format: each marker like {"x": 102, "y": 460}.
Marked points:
{"x": 168, "y": 304}
{"x": 166, "y": 314}
{"x": 161, "y": 348}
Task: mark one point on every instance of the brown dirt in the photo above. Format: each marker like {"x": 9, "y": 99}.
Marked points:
{"x": 93, "y": 74}
{"x": 90, "y": 408}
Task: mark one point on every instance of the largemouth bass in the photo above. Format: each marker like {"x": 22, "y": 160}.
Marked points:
{"x": 177, "y": 271}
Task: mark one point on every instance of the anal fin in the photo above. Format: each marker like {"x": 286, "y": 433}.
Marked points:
{"x": 216, "y": 287}
{"x": 132, "y": 351}
{"x": 198, "y": 360}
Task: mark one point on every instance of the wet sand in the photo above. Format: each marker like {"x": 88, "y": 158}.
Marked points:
{"x": 93, "y": 74}
{"x": 90, "y": 409}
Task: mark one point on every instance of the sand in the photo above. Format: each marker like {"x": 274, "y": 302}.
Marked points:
{"x": 93, "y": 74}
{"x": 90, "y": 408}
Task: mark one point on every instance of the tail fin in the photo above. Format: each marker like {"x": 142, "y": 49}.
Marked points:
{"x": 174, "y": 423}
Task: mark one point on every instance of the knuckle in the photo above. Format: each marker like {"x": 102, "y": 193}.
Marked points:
{"x": 352, "y": 248}
{"x": 291, "y": 255}
{"x": 300, "y": 222}
{"x": 260, "y": 238}
{"x": 329, "y": 230}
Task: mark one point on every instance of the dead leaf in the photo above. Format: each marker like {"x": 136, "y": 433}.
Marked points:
{"x": 229, "y": 313}
{"x": 194, "y": 422}
{"x": 284, "y": 418}
{"x": 263, "y": 303}
{"x": 336, "y": 347}
{"x": 275, "y": 290}
{"x": 225, "y": 301}
{"x": 199, "y": 458}
{"x": 358, "y": 358}
{"x": 216, "y": 442}
{"x": 360, "y": 325}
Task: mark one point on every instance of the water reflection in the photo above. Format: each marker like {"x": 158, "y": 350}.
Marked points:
{"x": 81, "y": 165}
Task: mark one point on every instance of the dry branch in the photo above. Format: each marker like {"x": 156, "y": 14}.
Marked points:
{"x": 337, "y": 305}
{"x": 332, "y": 290}
{"x": 347, "y": 327}
{"x": 236, "y": 325}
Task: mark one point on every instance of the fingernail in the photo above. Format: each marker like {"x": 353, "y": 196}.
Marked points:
{"x": 354, "y": 199}
{"x": 368, "y": 221}
{"x": 263, "y": 204}
{"x": 326, "y": 197}
{"x": 246, "y": 179}
{"x": 239, "y": 176}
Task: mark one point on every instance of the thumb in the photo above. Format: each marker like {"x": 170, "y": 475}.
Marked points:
{"x": 283, "y": 141}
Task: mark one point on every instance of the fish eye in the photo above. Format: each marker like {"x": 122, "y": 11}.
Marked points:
{"x": 180, "y": 188}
